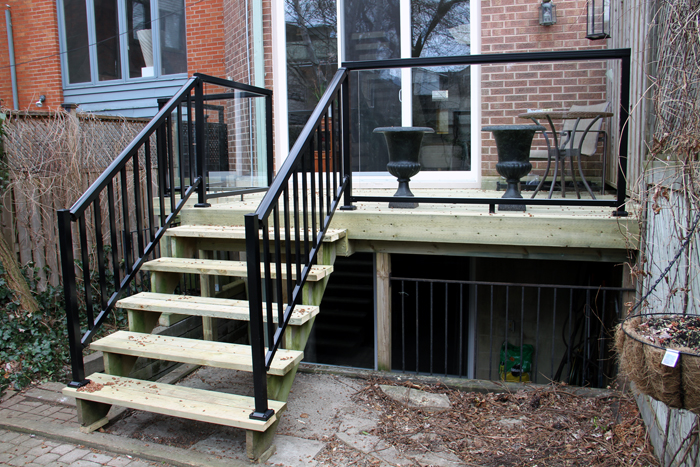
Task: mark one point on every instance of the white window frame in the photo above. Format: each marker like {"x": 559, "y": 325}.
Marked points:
{"x": 427, "y": 179}
{"x": 123, "y": 49}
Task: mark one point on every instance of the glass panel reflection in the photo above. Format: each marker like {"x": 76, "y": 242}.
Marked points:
{"x": 107, "y": 37}
{"x": 77, "y": 54}
{"x": 442, "y": 95}
{"x": 173, "y": 49}
{"x": 139, "y": 38}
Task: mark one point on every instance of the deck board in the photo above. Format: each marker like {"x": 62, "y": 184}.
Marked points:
{"x": 194, "y": 404}
{"x": 207, "y": 306}
{"x": 193, "y": 351}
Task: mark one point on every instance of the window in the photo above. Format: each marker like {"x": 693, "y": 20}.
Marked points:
{"x": 320, "y": 33}
{"x": 122, "y": 40}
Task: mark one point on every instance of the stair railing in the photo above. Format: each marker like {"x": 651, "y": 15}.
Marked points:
{"x": 119, "y": 221}
{"x": 296, "y": 211}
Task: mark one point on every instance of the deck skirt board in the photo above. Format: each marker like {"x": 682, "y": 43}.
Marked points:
{"x": 207, "y": 306}
{"x": 193, "y": 351}
{"x": 224, "y": 268}
{"x": 194, "y": 404}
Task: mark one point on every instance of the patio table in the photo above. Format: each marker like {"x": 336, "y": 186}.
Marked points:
{"x": 562, "y": 151}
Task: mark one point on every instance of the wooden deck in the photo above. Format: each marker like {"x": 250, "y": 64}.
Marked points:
{"x": 572, "y": 233}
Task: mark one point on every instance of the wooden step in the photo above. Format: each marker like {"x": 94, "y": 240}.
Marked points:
{"x": 194, "y": 351}
{"x": 224, "y": 268}
{"x": 237, "y": 232}
{"x": 194, "y": 404}
{"x": 206, "y": 306}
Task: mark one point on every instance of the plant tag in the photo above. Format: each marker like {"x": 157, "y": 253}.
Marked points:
{"x": 670, "y": 358}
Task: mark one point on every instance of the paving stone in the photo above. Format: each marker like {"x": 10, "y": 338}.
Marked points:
{"x": 40, "y": 450}
{"x": 140, "y": 464}
{"x": 84, "y": 463}
{"x": 46, "y": 459}
{"x": 64, "y": 416}
{"x": 99, "y": 458}
{"x": 9, "y": 436}
{"x": 429, "y": 402}
{"x": 10, "y": 403}
{"x": 19, "y": 450}
{"x": 31, "y": 403}
{"x": 21, "y": 461}
{"x": 119, "y": 462}
{"x": 73, "y": 455}
{"x": 32, "y": 442}
{"x": 63, "y": 449}
{"x": 4, "y": 447}
{"x": 5, "y": 457}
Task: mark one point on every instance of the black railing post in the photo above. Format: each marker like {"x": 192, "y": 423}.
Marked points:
{"x": 65, "y": 238}
{"x": 257, "y": 332}
{"x": 345, "y": 142}
{"x": 200, "y": 148}
{"x": 624, "y": 136}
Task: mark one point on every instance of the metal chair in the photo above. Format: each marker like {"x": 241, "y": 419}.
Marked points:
{"x": 586, "y": 133}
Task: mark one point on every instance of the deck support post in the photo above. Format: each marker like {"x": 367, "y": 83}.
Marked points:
{"x": 383, "y": 304}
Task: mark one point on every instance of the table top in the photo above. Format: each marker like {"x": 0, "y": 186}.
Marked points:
{"x": 563, "y": 114}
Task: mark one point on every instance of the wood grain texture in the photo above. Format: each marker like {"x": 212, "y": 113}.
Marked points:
{"x": 194, "y": 351}
{"x": 222, "y": 268}
{"x": 206, "y": 306}
{"x": 193, "y": 404}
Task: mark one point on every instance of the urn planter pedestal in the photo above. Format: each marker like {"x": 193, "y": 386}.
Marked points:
{"x": 513, "y": 144}
{"x": 404, "y": 145}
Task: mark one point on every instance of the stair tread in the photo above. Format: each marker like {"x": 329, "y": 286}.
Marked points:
{"x": 207, "y": 306}
{"x": 194, "y": 404}
{"x": 236, "y": 232}
{"x": 224, "y": 268}
{"x": 193, "y": 351}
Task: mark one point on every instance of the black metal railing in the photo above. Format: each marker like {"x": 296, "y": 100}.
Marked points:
{"x": 623, "y": 55}
{"x": 119, "y": 221}
{"x": 296, "y": 211}
{"x": 552, "y": 332}
{"x": 307, "y": 190}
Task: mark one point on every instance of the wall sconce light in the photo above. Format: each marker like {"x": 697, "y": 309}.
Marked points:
{"x": 548, "y": 13}
{"x": 598, "y": 20}
{"x": 40, "y": 102}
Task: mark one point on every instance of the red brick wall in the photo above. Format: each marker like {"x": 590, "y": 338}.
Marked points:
{"x": 507, "y": 90}
{"x": 205, "y": 37}
{"x": 35, "y": 33}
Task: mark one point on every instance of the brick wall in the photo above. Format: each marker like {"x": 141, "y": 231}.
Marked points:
{"x": 205, "y": 37}
{"x": 513, "y": 26}
{"x": 35, "y": 34}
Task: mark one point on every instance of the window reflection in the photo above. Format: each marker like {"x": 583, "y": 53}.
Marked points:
{"x": 442, "y": 95}
{"x": 173, "y": 49}
{"x": 107, "y": 38}
{"x": 140, "y": 38}
{"x": 76, "y": 27}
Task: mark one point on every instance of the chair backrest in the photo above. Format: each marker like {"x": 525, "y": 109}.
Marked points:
{"x": 590, "y": 144}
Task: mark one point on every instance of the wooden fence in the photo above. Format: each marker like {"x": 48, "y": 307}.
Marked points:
{"x": 51, "y": 159}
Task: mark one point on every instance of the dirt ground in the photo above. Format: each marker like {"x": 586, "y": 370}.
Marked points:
{"x": 544, "y": 427}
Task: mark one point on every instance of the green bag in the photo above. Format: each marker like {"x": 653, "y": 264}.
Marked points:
{"x": 514, "y": 366}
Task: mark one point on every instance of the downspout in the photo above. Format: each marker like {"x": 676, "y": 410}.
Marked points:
{"x": 11, "y": 47}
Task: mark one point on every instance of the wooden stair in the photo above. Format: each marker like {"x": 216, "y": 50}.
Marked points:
{"x": 192, "y": 248}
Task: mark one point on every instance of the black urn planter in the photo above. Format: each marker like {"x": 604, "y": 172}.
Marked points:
{"x": 403, "y": 143}
{"x": 513, "y": 144}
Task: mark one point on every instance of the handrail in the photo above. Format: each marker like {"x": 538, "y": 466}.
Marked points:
{"x": 306, "y": 192}
{"x": 137, "y": 194}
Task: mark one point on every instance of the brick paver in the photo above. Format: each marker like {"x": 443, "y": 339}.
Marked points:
{"x": 22, "y": 450}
